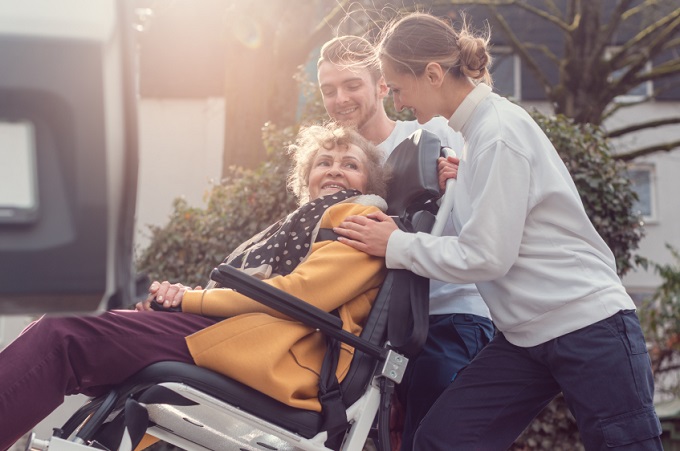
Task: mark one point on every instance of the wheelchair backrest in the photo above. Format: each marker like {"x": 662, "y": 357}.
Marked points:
{"x": 400, "y": 310}
{"x": 412, "y": 167}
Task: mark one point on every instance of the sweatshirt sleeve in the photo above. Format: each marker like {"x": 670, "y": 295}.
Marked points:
{"x": 489, "y": 242}
{"x": 332, "y": 275}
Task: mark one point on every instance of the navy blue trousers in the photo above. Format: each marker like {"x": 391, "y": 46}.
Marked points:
{"x": 603, "y": 370}
{"x": 452, "y": 342}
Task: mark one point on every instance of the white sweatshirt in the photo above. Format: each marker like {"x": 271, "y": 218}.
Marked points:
{"x": 525, "y": 238}
{"x": 445, "y": 298}
{"x": 437, "y": 125}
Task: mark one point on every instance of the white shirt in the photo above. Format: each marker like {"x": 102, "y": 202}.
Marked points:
{"x": 437, "y": 125}
{"x": 445, "y": 298}
{"x": 525, "y": 238}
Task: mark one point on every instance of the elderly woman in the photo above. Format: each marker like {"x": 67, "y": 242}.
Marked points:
{"x": 218, "y": 328}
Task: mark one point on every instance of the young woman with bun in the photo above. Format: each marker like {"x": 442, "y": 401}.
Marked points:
{"x": 565, "y": 321}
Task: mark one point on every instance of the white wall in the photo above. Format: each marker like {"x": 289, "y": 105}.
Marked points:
{"x": 181, "y": 145}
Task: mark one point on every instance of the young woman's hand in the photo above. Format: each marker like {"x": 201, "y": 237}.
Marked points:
{"x": 165, "y": 295}
{"x": 368, "y": 233}
{"x": 447, "y": 169}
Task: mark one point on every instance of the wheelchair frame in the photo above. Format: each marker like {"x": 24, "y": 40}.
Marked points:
{"x": 182, "y": 403}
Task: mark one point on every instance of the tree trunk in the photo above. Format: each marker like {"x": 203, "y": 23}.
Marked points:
{"x": 582, "y": 69}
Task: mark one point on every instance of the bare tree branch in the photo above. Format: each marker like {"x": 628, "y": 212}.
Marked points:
{"x": 665, "y": 147}
{"x": 638, "y": 9}
{"x": 545, "y": 51}
{"x": 672, "y": 43}
{"x": 663, "y": 70}
{"x": 521, "y": 49}
{"x": 659, "y": 33}
{"x": 616, "y": 106}
{"x": 634, "y": 72}
{"x": 642, "y": 126}
{"x": 545, "y": 15}
{"x": 668, "y": 368}
{"x": 553, "y": 8}
{"x": 518, "y": 3}
{"x": 610, "y": 28}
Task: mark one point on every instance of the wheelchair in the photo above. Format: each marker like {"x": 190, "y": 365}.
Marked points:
{"x": 196, "y": 409}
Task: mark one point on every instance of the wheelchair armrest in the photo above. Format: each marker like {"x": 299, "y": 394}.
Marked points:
{"x": 230, "y": 277}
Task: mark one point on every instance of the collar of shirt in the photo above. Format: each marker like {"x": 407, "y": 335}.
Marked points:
{"x": 468, "y": 105}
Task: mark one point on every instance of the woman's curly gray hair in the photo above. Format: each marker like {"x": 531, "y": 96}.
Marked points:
{"x": 312, "y": 138}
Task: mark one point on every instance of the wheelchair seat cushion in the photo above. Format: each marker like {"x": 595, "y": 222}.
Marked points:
{"x": 307, "y": 423}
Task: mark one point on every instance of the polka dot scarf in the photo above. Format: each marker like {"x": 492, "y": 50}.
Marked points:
{"x": 279, "y": 248}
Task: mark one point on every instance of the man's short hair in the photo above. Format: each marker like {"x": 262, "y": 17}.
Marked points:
{"x": 351, "y": 52}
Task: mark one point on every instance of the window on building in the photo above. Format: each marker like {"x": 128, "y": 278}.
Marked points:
{"x": 642, "y": 178}
{"x": 641, "y": 91}
{"x": 506, "y": 72}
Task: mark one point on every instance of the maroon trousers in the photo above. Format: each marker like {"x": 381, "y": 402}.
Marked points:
{"x": 58, "y": 356}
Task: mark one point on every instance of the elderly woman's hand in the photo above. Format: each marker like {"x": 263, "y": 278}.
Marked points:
{"x": 164, "y": 294}
{"x": 447, "y": 169}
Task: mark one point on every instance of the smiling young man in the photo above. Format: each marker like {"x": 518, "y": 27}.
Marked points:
{"x": 353, "y": 90}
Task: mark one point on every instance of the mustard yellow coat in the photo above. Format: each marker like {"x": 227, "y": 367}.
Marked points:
{"x": 259, "y": 347}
